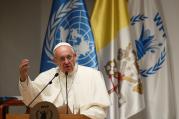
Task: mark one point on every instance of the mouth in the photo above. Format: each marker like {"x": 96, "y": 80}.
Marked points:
{"x": 67, "y": 67}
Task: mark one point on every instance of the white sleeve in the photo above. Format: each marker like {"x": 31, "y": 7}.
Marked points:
{"x": 95, "y": 112}
{"x": 28, "y": 91}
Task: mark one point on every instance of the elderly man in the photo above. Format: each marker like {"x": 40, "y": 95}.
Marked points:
{"x": 86, "y": 89}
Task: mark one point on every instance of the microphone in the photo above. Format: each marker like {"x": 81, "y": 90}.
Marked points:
{"x": 50, "y": 82}
{"x": 66, "y": 74}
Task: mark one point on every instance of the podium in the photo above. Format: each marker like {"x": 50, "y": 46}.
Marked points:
{"x": 4, "y": 114}
{"x": 61, "y": 116}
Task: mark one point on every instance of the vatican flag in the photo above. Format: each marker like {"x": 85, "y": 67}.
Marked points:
{"x": 116, "y": 58}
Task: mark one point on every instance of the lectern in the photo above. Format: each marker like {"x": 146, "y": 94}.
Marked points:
{"x": 27, "y": 116}
{"x": 62, "y": 116}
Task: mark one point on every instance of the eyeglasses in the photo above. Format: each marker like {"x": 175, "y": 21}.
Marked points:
{"x": 63, "y": 58}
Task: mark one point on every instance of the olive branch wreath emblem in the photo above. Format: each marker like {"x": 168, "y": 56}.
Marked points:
{"x": 55, "y": 20}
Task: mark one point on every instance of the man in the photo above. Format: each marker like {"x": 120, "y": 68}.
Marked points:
{"x": 86, "y": 89}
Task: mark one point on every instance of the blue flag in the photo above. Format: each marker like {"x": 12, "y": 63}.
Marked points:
{"x": 69, "y": 22}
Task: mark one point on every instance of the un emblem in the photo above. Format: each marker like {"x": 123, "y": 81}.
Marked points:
{"x": 70, "y": 24}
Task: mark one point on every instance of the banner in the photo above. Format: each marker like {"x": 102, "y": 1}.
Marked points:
{"x": 149, "y": 36}
{"x": 69, "y": 22}
{"x": 117, "y": 60}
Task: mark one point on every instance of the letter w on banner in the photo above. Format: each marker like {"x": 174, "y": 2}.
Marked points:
{"x": 69, "y": 22}
{"x": 117, "y": 61}
{"x": 150, "y": 39}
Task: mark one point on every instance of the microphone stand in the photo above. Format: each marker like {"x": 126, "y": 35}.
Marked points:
{"x": 66, "y": 74}
{"x": 50, "y": 82}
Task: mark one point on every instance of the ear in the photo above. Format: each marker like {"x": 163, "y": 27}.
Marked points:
{"x": 54, "y": 60}
{"x": 75, "y": 56}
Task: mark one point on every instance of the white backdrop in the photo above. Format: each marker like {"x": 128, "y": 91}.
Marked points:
{"x": 22, "y": 30}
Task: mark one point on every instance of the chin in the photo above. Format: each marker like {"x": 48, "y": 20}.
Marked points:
{"x": 68, "y": 71}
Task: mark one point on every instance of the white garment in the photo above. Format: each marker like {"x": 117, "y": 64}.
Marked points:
{"x": 86, "y": 91}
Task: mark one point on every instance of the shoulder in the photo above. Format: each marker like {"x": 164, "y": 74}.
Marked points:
{"x": 89, "y": 72}
{"x": 87, "y": 69}
{"x": 89, "y": 75}
{"x": 47, "y": 74}
{"x": 50, "y": 71}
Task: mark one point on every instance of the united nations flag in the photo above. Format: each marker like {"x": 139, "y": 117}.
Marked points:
{"x": 69, "y": 22}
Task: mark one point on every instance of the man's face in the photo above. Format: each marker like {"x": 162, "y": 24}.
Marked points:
{"x": 65, "y": 58}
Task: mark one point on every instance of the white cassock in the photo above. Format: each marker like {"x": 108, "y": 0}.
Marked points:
{"x": 86, "y": 91}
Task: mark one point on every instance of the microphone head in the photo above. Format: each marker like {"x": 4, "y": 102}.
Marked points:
{"x": 56, "y": 74}
{"x": 66, "y": 73}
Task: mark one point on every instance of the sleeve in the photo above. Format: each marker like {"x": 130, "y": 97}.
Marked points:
{"x": 28, "y": 91}
{"x": 95, "y": 112}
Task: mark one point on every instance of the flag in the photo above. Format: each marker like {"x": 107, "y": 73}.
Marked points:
{"x": 116, "y": 58}
{"x": 149, "y": 37}
{"x": 69, "y": 22}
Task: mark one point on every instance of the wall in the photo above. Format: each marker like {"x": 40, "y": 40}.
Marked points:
{"x": 20, "y": 29}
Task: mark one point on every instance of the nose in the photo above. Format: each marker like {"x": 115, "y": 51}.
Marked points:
{"x": 66, "y": 61}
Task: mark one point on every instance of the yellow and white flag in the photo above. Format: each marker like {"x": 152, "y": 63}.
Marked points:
{"x": 116, "y": 58}
{"x": 150, "y": 39}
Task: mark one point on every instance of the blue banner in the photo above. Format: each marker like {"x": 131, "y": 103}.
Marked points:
{"x": 69, "y": 22}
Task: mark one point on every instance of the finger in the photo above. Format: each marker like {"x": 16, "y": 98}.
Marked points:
{"x": 24, "y": 66}
{"x": 23, "y": 63}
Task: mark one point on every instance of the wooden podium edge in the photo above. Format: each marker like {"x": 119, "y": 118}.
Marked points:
{"x": 61, "y": 116}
